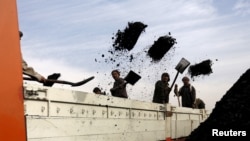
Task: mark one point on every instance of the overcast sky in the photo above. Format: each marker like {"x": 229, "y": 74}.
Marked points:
{"x": 68, "y": 36}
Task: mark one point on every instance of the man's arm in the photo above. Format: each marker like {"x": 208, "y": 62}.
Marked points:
{"x": 31, "y": 72}
{"x": 121, "y": 84}
{"x": 176, "y": 91}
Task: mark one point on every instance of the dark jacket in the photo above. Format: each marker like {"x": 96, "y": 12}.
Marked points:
{"x": 161, "y": 92}
{"x": 119, "y": 88}
{"x": 188, "y": 95}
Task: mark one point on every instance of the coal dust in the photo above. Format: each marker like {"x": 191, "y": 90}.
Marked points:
{"x": 202, "y": 68}
{"x": 161, "y": 47}
{"x": 149, "y": 61}
{"x": 127, "y": 38}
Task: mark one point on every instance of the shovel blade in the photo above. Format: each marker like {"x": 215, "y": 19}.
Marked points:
{"x": 132, "y": 77}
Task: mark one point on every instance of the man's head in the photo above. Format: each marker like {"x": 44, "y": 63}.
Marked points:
{"x": 20, "y": 34}
{"x": 185, "y": 80}
{"x": 96, "y": 90}
{"x": 165, "y": 77}
{"x": 115, "y": 74}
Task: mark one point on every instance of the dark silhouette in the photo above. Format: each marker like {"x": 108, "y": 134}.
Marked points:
{"x": 162, "y": 89}
{"x": 119, "y": 87}
{"x": 187, "y": 93}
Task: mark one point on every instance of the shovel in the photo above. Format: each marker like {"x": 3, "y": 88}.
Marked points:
{"x": 132, "y": 77}
{"x": 73, "y": 84}
{"x": 181, "y": 66}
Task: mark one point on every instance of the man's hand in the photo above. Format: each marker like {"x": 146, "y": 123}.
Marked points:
{"x": 176, "y": 90}
{"x": 42, "y": 79}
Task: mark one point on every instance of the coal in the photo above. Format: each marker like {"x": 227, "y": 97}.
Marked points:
{"x": 230, "y": 113}
{"x": 121, "y": 56}
{"x": 126, "y": 39}
{"x": 202, "y": 68}
{"x": 160, "y": 47}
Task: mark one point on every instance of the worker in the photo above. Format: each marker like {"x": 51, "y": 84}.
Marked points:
{"x": 97, "y": 90}
{"x": 162, "y": 90}
{"x": 187, "y": 93}
{"x": 27, "y": 70}
{"x": 199, "y": 103}
{"x": 119, "y": 87}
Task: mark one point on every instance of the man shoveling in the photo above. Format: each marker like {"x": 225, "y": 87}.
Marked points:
{"x": 27, "y": 70}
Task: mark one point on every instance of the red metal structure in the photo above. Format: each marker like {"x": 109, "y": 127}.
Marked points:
{"x": 12, "y": 121}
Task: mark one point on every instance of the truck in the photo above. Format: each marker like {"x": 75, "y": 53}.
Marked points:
{"x": 32, "y": 112}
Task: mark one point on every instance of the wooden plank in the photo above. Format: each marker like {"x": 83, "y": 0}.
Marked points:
{"x": 11, "y": 102}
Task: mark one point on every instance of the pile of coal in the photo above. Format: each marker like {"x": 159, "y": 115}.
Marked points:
{"x": 161, "y": 47}
{"x": 126, "y": 39}
{"x": 230, "y": 113}
{"x": 202, "y": 68}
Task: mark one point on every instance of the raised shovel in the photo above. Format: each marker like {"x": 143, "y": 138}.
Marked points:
{"x": 181, "y": 66}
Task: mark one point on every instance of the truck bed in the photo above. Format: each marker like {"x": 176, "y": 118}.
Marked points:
{"x": 55, "y": 114}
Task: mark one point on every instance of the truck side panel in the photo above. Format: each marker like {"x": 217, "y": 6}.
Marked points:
{"x": 56, "y": 114}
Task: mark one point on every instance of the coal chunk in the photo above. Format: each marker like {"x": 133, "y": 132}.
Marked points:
{"x": 126, "y": 39}
{"x": 230, "y": 113}
{"x": 160, "y": 47}
{"x": 202, "y": 68}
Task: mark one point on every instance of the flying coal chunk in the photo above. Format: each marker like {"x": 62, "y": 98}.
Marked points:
{"x": 202, "y": 68}
{"x": 125, "y": 40}
{"x": 231, "y": 113}
{"x": 161, "y": 47}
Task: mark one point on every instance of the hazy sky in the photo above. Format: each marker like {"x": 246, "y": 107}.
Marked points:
{"x": 67, "y": 36}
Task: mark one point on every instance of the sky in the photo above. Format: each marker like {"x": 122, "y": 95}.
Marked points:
{"x": 69, "y": 37}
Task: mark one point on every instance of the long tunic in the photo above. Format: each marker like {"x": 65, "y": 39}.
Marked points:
{"x": 161, "y": 92}
{"x": 188, "y": 95}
